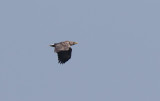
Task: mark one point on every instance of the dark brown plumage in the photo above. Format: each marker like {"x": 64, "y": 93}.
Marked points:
{"x": 64, "y": 56}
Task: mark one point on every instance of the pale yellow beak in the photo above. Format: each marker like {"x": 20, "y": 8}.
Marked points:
{"x": 75, "y": 43}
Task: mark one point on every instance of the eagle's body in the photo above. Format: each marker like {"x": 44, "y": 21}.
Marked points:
{"x": 63, "y": 50}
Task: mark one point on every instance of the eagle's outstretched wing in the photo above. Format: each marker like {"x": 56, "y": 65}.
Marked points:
{"x": 64, "y": 56}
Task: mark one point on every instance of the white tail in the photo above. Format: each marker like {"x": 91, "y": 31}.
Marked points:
{"x": 52, "y": 45}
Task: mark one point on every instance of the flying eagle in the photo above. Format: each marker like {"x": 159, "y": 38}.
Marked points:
{"x": 63, "y": 50}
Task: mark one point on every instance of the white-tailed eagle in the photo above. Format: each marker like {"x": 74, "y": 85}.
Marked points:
{"x": 63, "y": 50}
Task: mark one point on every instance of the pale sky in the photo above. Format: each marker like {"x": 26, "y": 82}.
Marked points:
{"x": 117, "y": 58}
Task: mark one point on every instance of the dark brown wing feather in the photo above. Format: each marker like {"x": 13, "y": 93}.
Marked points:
{"x": 64, "y": 56}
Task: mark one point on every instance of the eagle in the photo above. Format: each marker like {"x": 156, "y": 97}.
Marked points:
{"x": 63, "y": 50}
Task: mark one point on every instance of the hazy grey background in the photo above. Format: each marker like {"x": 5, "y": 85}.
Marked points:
{"x": 117, "y": 58}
